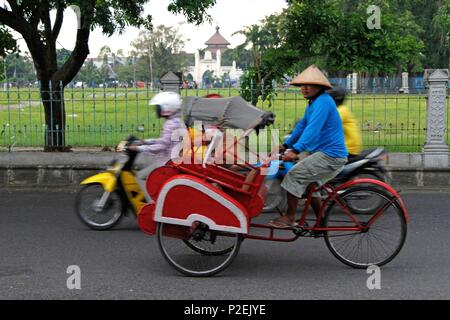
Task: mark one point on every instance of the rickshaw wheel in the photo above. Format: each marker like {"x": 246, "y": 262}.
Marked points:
{"x": 377, "y": 245}
{"x": 197, "y": 257}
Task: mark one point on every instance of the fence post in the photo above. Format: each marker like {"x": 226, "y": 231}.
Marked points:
{"x": 436, "y": 149}
{"x": 171, "y": 81}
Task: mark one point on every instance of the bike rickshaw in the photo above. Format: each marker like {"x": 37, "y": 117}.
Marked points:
{"x": 203, "y": 211}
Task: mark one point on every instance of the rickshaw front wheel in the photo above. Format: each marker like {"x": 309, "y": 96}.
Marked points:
{"x": 197, "y": 257}
{"x": 380, "y": 242}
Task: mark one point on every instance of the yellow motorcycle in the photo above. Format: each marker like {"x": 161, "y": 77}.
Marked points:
{"x": 106, "y": 197}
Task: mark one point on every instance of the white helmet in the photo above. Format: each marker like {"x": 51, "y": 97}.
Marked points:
{"x": 169, "y": 102}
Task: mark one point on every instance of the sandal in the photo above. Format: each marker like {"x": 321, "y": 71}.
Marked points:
{"x": 283, "y": 222}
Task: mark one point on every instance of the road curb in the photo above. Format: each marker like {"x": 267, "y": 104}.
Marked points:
{"x": 59, "y": 170}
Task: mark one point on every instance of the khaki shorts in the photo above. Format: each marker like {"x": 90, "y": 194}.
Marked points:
{"x": 318, "y": 167}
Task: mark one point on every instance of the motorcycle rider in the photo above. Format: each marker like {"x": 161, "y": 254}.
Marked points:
{"x": 167, "y": 147}
{"x": 352, "y": 131}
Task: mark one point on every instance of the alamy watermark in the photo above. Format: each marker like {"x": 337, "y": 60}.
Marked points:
{"x": 374, "y": 20}
{"x": 374, "y": 280}
{"x": 77, "y": 11}
{"x": 74, "y": 280}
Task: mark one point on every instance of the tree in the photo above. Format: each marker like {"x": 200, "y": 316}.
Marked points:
{"x": 7, "y": 42}
{"x": 19, "y": 69}
{"x": 32, "y": 20}
{"x": 334, "y": 35}
{"x": 430, "y": 16}
{"x": 62, "y": 55}
{"x": 159, "y": 51}
{"x": 105, "y": 56}
{"x": 7, "y": 45}
{"x": 126, "y": 72}
{"x": 441, "y": 26}
{"x": 271, "y": 56}
{"x": 240, "y": 55}
{"x": 349, "y": 45}
{"x": 89, "y": 74}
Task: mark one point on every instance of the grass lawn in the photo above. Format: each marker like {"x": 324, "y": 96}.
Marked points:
{"x": 103, "y": 117}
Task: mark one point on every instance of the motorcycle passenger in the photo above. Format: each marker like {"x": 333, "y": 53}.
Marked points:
{"x": 320, "y": 133}
{"x": 352, "y": 131}
{"x": 167, "y": 147}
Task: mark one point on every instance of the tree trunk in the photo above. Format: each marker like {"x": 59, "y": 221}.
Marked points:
{"x": 55, "y": 118}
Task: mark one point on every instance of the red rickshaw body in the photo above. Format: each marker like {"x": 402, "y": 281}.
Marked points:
{"x": 186, "y": 193}
{"x": 186, "y": 199}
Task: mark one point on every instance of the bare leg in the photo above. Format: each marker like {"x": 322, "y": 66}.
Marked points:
{"x": 316, "y": 204}
{"x": 292, "y": 205}
{"x": 289, "y": 219}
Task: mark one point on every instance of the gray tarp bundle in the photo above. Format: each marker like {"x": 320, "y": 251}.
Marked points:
{"x": 232, "y": 112}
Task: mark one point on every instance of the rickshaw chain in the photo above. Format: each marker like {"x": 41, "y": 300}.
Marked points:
{"x": 300, "y": 231}
{"x": 311, "y": 234}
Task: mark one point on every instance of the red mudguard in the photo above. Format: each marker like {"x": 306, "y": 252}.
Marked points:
{"x": 185, "y": 199}
{"x": 384, "y": 185}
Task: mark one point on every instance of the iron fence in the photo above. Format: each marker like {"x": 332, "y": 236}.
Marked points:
{"x": 101, "y": 117}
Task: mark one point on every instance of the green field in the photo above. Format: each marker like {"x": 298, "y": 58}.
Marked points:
{"x": 102, "y": 117}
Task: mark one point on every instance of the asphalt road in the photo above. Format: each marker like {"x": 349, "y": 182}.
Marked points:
{"x": 40, "y": 237}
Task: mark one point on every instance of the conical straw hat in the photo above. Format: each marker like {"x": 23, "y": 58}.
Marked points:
{"x": 312, "y": 75}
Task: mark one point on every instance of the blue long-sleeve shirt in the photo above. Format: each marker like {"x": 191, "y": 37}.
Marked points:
{"x": 320, "y": 129}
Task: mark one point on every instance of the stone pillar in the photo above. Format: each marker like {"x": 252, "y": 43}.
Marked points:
{"x": 171, "y": 81}
{"x": 405, "y": 82}
{"x": 436, "y": 149}
{"x": 354, "y": 83}
{"x": 349, "y": 83}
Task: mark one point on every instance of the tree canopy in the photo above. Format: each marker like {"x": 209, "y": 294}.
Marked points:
{"x": 335, "y": 35}
{"x": 7, "y": 42}
{"x": 159, "y": 51}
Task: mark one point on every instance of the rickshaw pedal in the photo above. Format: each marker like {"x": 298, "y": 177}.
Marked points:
{"x": 300, "y": 231}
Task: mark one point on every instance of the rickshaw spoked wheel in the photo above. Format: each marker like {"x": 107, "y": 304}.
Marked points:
{"x": 380, "y": 242}
{"x": 197, "y": 255}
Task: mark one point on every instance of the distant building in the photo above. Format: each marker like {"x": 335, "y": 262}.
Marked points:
{"x": 212, "y": 61}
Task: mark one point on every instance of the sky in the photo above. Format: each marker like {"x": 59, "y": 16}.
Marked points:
{"x": 229, "y": 15}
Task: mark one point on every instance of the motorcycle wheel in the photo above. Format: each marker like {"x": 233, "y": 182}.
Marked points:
{"x": 365, "y": 203}
{"x": 94, "y": 217}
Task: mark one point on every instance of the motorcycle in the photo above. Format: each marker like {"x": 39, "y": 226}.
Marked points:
{"x": 106, "y": 197}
